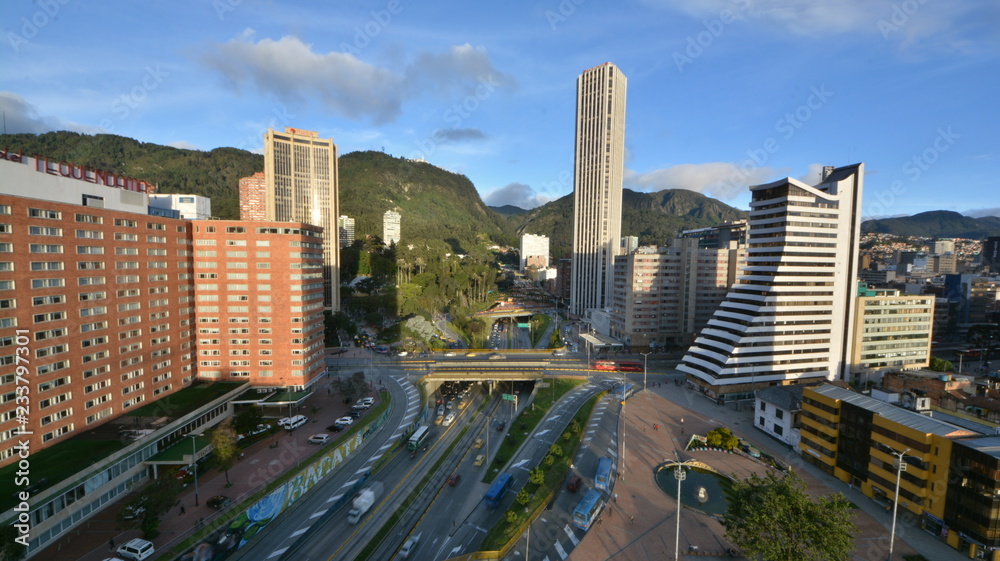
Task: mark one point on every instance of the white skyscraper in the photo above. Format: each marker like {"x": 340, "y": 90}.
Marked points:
{"x": 534, "y": 251}
{"x": 597, "y": 188}
{"x": 391, "y": 229}
{"x": 789, "y": 316}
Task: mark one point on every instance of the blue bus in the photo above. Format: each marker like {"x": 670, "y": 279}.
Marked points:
{"x": 587, "y": 509}
{"x": 498, "y": 490}
{"x": 602, "y": 480}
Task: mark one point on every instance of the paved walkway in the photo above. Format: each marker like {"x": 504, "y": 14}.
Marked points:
{"x": 263, "y": 461}
{"x": 642, "y": 521}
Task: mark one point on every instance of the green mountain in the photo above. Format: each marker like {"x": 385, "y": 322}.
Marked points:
{"x": 509, "y": 210}
{"x": 936, "y": 224}
{"x": 435, "y": 204}
{"x": 654, "y": 217}
{"x": 213, "y": 174}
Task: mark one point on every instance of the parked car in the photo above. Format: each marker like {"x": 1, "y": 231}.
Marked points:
{"x": 319, "y": 439}
{"x": 344, "y": 421}
{"x": 136, "y": 549}
{"x": 219, "y": 502}
{"x": 335, "y": 428}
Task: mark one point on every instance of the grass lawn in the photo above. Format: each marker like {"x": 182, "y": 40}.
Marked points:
{"x": 539, "y": 324}
{"x": 185, "y": 401}
{"x": 527, "y": 420}
{"x": 56, "y": 464}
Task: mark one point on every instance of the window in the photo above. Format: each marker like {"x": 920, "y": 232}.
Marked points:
{"x": 44, "y": 231}
{"x": 126, "y": 223}
{"x": 89, "y": 218}
{"x": 124, "y": 237}
{"x": 90, "y": 234}
{"x": 44, "y": 248}
{"x": 46, "y": 300}
{"x": 779, "y": 413}
{"x": 42, "y": 213}
{"x": 126, "y": 251}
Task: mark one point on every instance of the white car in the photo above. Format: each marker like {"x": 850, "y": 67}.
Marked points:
{"x": 367, "y": 402}
{"x": 403, "y": 353}
{"x": 407, "y": 550}
{"x": 449, "y": 353}
{"x": 319, "y": 439}
{"x": 344, "y": 421}
{"x": 449, "y": 419}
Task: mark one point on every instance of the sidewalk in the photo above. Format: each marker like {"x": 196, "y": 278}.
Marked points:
{"x": 263, "y": 461}
{"x": 641, "y": 523}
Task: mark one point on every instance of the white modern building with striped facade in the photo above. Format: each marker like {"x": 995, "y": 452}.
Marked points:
{"x": 597, "y": 189}
{"x": 789, "y": 316}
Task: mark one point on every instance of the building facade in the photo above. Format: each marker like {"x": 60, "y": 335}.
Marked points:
{"x": 891, "y": 332}
{"x": 259, "y": 293}
{"x": 102, "y": 299}
{"x": 253, "y": 197}
{"x": 534, "y": 251}
{"x": 597, "y": 190}
{"x": 391, "y": 227}
{"x": 188, "y": 207}
{"x": 345, "y": 227}
{"x": 950, "y": 480}
{"x": 788, "y": 318}
{"x": 662, "y": 297}
{"x": 301, "y": 174}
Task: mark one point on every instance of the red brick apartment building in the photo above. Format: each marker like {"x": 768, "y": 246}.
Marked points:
{"x": 102, "y": 301}
{"x": 259, "y": 292}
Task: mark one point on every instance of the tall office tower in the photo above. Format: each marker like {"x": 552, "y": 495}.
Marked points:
{"x": 629, "y": 245}
{"x": 891, "y": 332}
{"x": 991, "y": 253}
{"x": 534, "y": 251}
{"x": 788, "y": 318}
{"x": 940, "y": 247}
{"x": 253, "y": 197}
{"x": 345, "y": 226}
{"x": 300, "y": 169}
{"x": 391, "y": 228}
{"x": 597, "y": 188}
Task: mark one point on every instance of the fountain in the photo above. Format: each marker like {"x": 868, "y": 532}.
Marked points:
{"x": 707, "y": 491}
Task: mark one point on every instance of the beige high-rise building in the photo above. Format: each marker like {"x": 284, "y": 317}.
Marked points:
{"x": 300, "y": 171}
{"x": 597, "y": 188}
{"x": 391, "y": 227}
{"x": 891, "y": 332}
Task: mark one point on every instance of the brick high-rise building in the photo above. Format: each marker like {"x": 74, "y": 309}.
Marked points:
{"x": 259, "y": 292}
{"x": 98, "y": 293}
{"x": 253, "y": 197}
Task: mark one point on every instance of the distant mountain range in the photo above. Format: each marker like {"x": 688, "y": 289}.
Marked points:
{"x": 936, "y": 224}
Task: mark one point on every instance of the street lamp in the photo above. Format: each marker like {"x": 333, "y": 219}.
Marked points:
{"x": 900, "y": 468}
{"x": 679, "y": 475}
{"x": 644, "y": 355}
{"x": 194, "y": 465}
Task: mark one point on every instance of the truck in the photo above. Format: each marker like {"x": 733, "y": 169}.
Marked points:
{"x": 364, "y": 501}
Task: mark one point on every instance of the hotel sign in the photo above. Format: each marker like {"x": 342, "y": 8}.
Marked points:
{"x": 82, "y": 173}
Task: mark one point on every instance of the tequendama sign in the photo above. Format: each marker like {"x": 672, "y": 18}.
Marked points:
{"x": 74, "y": 171}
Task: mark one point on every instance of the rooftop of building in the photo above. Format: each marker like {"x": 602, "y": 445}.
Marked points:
{"x": 788, "y": 398}
{"x": 53, "y": 465}
{"x": 903, "y": 417}
{"x": 932, "y": 374}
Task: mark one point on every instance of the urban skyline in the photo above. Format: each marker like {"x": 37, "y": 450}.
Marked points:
{"x": 725, "y": 94}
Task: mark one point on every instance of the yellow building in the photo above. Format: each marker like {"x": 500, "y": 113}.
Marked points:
{"x": 951, "y": 478}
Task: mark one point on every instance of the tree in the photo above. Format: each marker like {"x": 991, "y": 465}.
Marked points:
{"x": 10, "y": 550}
{"x": 156, "y": 498}
{"x": 722, "y": 438}
{"x": 940, "y": 365}
{"x": 224, "y": 445}
{"x": 556, "y": 450}
{"x": 772, "y": 517}
{"x": 247, "y": 420}
{"x": 536, "y": 476}
{"x": 524, "y": 497}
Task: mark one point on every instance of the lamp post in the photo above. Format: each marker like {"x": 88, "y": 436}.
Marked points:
{"x": 644, "y": 370}
{"x": 900, "y": 468}
{"x": 679, "y": 475}
{"x": 194, "y": 465}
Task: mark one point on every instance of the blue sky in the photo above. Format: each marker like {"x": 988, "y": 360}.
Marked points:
{"x": 722, "y": 93}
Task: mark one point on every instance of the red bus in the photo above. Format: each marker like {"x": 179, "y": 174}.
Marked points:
{"x": 618, "y": 366}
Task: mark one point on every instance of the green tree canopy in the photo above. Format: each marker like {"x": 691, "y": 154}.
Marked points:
{"x": 772, "y": 517}
{"x": 224, "y": 446}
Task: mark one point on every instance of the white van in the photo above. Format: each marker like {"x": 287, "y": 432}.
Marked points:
{"x": 136, "y": 549}
{"x": 294, "y": 422}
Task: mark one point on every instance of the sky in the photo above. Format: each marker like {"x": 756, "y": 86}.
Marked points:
{"x": 722, "y": 94}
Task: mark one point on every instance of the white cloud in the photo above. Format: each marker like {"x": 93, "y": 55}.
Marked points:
{"x": 517, "y": 194}
{"x": 23, "y": 117}
{"x": 932, "y": 23}
{"x": 183, "y": 144}
{"x": 293, "y": 72}
{"x": 722, "y": 180}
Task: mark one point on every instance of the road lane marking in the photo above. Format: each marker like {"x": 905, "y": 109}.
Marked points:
{"x": 334, "y": 498}
{"x": 299, "y": 532}
{"x": 562, "y": 552}
{"x": 572, "y": 535}
{"x": 277, "y": 552}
